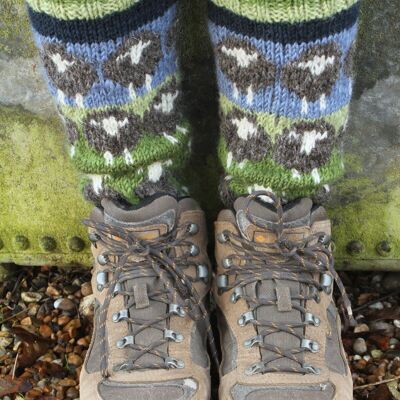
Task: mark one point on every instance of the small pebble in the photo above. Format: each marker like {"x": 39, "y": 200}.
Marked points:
{"x": 75, "y": 360}
{"x": 383, "y": 326}
{"x": 376, "y": 306}
{"x": 31, "y": 297}
{"x": 86, "y": 306}
{"x": 367, "y": 357}
{"x": 376, "y": 353}
{"x": 64, "y": 304}
{"x": 72, "y": 393}
{"x": 52, "y": 291}
{"x": 360, "y": 346}
{"x": 361, "y": 328}
{"x": 396, "y": 323}
{"x": 86, "y": 289}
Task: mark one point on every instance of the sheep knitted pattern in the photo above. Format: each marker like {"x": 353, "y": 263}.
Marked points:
{"x": 112, "y": 68}
{"x": 284, "y": 71}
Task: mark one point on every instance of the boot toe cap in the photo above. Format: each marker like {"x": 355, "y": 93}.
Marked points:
{"x": 183, "y": 389}
{"x": 324, "y": 391}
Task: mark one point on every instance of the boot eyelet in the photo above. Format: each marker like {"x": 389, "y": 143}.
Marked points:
{"x": 326, "y": 283}
{"x": 102, "y": 259}
{"x": 172, "y": 335}
{"x": 202, "y": 272}
{"x": 94, "y": 237}
{"x": 117, "y": 289}
{"x": 125, "y": 341}
{"x": 245, "y": 318}
{"x": 222, "y": 283}
{"x": 101, "y": 280}
{"x": 311, "y": 369}
{"x": 311, "y": 319}
{"x": 324, "y": 239}
{"x": 249, "y": 343}
{"x": 227, "y": 263}
{"x": 192, "y": 228}
{"x": 120, "y": 315}
{"x": 237, "y": 294}
{"x": 174, "y": 363}
{"x": 256, "y": 368}
{"x": 176, "y": 309}
{"x": 194, "y": 250}
{"x": 310, "y": 345}
{"x": 223, "y": 237}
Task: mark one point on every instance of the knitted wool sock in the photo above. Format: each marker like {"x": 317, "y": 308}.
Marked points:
{"x": 112, "y": 67}
{"x": 284, "y": 70}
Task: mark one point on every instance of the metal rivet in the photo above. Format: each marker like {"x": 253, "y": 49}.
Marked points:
{"x": 47, "y": 243}
{"x": 384, "y": 248}
{"x": 355, "y": 247}
{"x": 76, "y": 244}
{"x": 21, "y": 242}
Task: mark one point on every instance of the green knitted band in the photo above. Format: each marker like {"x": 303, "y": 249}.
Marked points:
{"x": 285, "y": 10}
{"x": 275, "y": 125}
{"x": 279, "y": 178}
{"x": 80, "y": 9}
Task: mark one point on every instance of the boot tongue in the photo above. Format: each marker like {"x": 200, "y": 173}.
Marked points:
{"x": 149, "y": 221}
{"x": 265, "y": 218}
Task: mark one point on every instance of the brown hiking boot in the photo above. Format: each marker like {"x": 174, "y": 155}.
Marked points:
{"x": 150, "y": 279}
{"x": 280, "y": 330}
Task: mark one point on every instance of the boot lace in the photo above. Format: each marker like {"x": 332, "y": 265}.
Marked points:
{"x": 127, "y": 258}
{"x": 301, "y": 261}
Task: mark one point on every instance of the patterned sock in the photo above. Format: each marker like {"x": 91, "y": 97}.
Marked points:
{"x": 112, "y": 67}
{"x": 284, "y": 71}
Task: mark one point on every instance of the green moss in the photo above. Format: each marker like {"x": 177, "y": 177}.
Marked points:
{"x": 38, "y": 185}
{"x": 15, "y": 31}
{"x": 372, "y": 218}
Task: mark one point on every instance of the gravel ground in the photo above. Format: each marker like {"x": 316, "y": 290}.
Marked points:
{"x": 46, "y": 319}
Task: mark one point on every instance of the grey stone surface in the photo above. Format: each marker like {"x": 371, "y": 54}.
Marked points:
{"x": 24, "y": 85}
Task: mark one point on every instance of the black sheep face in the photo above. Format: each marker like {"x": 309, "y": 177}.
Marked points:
{"x": 245, "y": 66}
{"x": 164, "y": 112}
{"x": 245, "y": 139}
{"x": 69, "y": 74}
{"x": 113, "y": 132}
{"x": 134, "y": 63}
{"x": 305, "y": 145}
{"x": 313, "y": 75}
{"x": 349, "y": 61}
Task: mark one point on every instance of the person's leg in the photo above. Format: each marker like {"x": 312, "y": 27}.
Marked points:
{"x": 284, "y": 73}
{"x": 284, "y": 69}
{"x": 112, "y": 68}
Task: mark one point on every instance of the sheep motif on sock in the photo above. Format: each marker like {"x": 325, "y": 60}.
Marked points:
{"x": 113, "y": 133}
{"x": 313, "y": 75}
{"x": 245, "y": 66}
{"x": 134, "y": 63}
{"x": 164, "y": 113}
{"x": 245, "y": 138}
{"x": 71, "y": 75}
{"x": 305, "y": 147}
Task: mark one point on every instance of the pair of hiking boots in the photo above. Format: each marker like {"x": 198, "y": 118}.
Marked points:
{"x": 279, "y": 330}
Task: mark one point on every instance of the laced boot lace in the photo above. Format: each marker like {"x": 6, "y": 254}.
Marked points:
{"x": 127, "y": 258}
{"x": 283, "y": 260}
